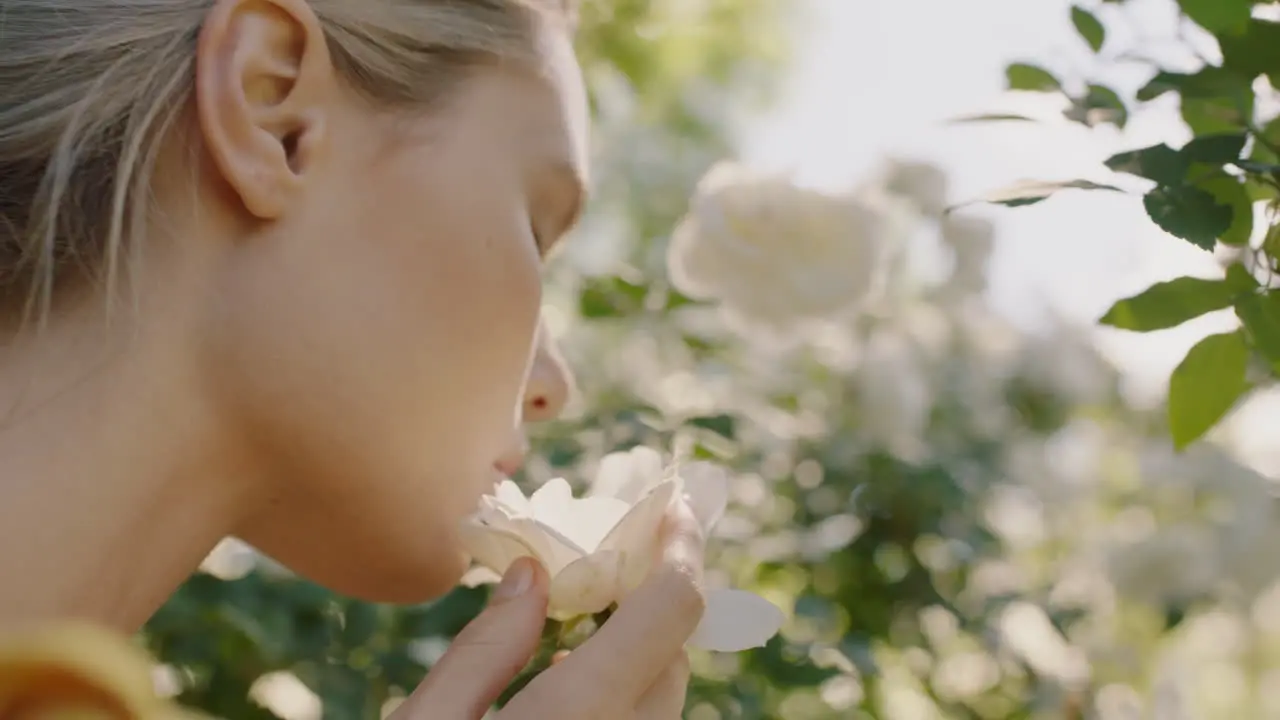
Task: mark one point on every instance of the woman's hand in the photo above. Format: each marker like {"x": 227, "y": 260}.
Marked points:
{"x": 633, "y": 668}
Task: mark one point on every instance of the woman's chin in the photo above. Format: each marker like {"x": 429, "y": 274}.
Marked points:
{"x": 408, "y": 571}
{"x": 407, "y": 584}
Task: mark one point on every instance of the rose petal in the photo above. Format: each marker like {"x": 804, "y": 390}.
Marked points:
{"x": 508, "y": 494}
{"x": 553, "y": 549}
{"x": 494, "y": 511}
{"x": 636, "y": 536}
{"x": 736, "y": 620}
{"x": 495, "y": 548}
{"x": 706, "y": 490}
{"x": 549, "y": 499}
{"x": 479, "y": 575}
{"x": 584, "y": 522}
{"x": 627, "y": 475}
{"x": 586, "y": 586}
{"x": 691, "y": 262}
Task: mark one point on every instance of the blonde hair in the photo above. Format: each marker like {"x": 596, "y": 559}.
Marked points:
{"x": 90, "y": 89}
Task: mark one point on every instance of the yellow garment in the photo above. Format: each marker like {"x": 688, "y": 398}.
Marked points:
{"x": 76, "y": 671}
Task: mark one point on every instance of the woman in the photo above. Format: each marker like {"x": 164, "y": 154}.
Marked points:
{"x": 271, "y": 269}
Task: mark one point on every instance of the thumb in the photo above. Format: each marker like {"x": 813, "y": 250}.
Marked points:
{"x": 489, "y": 652}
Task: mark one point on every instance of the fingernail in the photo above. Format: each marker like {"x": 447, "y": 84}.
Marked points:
{"x": 516, "y": 582}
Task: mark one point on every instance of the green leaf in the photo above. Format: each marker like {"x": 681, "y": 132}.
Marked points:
{"x": 1188, "y": 213}
{"x": 1160, "y": 163}
{"x": 1230, "y": 192}
{"x": 1030, "y": 192}
{"x": 1218, "y": 149}
{"x": 991, "y": 117}
{"x": 1218, "y": 16}
{"x": 1271, "y": 243}
{"x": 677, "y": 300}
{"x": 1032, "y": 78}
{"x": 1208, "y": 82}
{"x": 1260, "y": 190}
{"x": 360, "y": 623}
{"x": 1169, "y": 304}
{"x": 1163, "y": 82}
{"x": 1258, "y": 168}
{"x": 611, "y": 298}
{"x": 1213, "y": 100}
{"x": 1205, "y": 385}
{"x": 1175, "y": 611}
{"x": 725, "y": 426}
{"x": 1100, "y": 104}
{"x": 1239, "y": 277}
{"x": 1089, "y": 27}
{"x": 1254, "y": 52}
{"x": 1207, "y": 116}
{"x": 1261, "y": 169}
{"x": 1268, "y": 139}
{"x": 1260, "y": 314}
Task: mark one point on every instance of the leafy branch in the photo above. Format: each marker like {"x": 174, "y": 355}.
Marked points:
{"x": 1202, "y": 193}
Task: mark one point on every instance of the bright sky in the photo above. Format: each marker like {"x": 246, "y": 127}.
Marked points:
{"x": 877, "y": 77}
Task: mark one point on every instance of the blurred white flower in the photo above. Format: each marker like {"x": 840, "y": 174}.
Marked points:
{"x": 894, "y": 394}
{"x": 286, "y": 696}
{"x": 972, "y": 241}
{"x": 1170, "y": 692}
{"x": 1016, "y": 514}
{"x": 1026, "y": 630}
{"x": 772, "y": 252}
{"x": 1176, "y": 564}
{"x": 929, "y": 329}
{"x": 1118, "y": 702}
{"x": 924, "y": 184}
{"x": 230, "y": 559}
{"x": 599, "y": 548}
{"x": 1066, "y": 362}
{"x": 1233, "y": 504}
{"x": 975, "y": 364}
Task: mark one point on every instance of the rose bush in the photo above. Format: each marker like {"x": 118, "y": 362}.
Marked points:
{"x": 924, "y": 184}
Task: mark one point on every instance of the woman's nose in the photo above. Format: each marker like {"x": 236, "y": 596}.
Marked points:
{"x": 550, "y": 382}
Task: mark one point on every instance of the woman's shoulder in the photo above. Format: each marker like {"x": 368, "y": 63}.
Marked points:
{"x": 78, "y": 671}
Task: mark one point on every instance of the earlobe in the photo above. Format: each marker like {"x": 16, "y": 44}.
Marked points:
{"x": 263, "y": 81}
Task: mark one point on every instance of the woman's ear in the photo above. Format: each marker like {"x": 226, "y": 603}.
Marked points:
{"x": 264, "y": 85}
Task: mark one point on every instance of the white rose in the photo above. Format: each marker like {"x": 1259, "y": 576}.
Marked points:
{"x": 599, "y": 548}
{"x": 1027, "y": 631}
{"x": 772, "y": 252}
{"x": 1066, "y": 362}
{"x": 895, "y": 396}
{"x": 924, "y": 184}
{"x": 972, "y": 241}
{"x": 1177, "y": 563}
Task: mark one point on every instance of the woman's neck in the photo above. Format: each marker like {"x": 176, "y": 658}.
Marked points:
{"x": 112, "y": 486}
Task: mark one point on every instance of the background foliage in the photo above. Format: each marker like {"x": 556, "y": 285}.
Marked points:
{"x": 960, "y": 520}
{"x": 1217, "y": 190}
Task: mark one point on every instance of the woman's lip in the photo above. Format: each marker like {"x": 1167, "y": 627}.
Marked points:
{"x": 506, "y": 467}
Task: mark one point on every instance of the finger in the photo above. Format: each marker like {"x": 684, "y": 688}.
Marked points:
{"x": 649, "y": 629}
{"x": 489, "y": 652}
{"x": 664, "y": 700}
